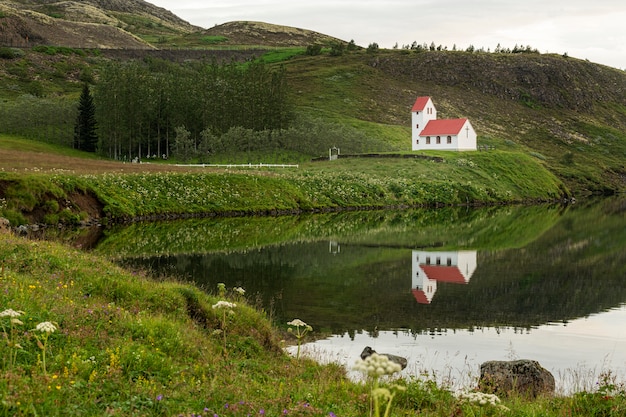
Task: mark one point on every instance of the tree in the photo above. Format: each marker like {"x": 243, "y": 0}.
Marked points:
{"x": 372, "y": 48}
{"x": 314, "y": 49}
{"x": 85, "y": 136}
{"x": 184, "y": 148}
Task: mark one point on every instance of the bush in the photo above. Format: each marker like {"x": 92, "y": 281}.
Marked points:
{"x": 313, "y": 50}
{"x": 372, "y": 47}
{"x": 10, "y": 53}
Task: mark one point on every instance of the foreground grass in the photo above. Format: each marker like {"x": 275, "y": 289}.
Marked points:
{"x": 126, "y": 345}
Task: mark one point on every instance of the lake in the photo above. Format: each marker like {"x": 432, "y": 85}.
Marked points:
{"x": 448, "y": 288}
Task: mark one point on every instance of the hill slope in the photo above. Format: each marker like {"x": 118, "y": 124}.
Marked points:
{"x": 113, "y": 24}
{"x": 568, "y": 113}
{"x": 260, "y": 33}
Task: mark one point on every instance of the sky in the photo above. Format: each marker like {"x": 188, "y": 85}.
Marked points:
{"x": 587, "y": 29}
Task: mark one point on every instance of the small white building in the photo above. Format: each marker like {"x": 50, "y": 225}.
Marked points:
{"x": 429, "y": 268}
{"x": 430, "y": 133}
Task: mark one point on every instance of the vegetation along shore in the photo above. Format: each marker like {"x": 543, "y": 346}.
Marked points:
{"x": 127, "y": 116}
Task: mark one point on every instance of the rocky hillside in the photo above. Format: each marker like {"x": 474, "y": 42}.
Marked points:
{"x": 114, "y": 24}
{"x": 260, "y": 33}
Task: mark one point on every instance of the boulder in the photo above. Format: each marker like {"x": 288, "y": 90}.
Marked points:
{"x": 522, "y": 377}
{"x": 393, "y": 358}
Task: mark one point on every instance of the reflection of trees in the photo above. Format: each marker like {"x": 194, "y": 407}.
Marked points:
{"x": 454, "y": 227}
{"x": 547, "y": 265}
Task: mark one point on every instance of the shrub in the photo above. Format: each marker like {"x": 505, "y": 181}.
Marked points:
{"x": 10, "y": 53}
{"x": 313, "y": 50}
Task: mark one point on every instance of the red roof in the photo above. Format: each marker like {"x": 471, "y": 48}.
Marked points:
{"x": 443, "y": 273}
{"x": 420, "y": 296}
{"x": 443, "y": 127}
{"x": 420, "y": 103}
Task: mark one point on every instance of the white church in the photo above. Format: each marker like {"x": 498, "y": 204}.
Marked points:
{"x": 430, "y": 133}
{"x": 430, "y": 268}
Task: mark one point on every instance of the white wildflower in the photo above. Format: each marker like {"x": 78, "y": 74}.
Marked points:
{"x": 224, "y": 304}
{"x": 46, "y": 327}
{"x": 239, "y": 290}
{"x": 481, "y": 398}
{"x": 377, "y": 365}
{"x": 11, "y": 313}
{"x": 296, "y": 322}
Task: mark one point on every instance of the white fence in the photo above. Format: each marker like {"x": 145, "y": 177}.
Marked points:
{"x": 259, "y": 165}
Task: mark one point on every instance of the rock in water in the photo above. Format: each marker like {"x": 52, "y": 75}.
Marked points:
{"x": 393, "y": 358}
{"x": 522, "y": 377}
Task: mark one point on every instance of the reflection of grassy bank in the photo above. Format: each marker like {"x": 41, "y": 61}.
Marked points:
{"x": 368, "y": 284}
{"x": 450, "y": 227}
{"x": 130, "y": 346}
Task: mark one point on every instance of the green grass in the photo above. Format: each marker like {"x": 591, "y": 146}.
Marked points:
{"x": 127, "y": 345}
{"x": 20, "y": 144}
{"x": 462, "y": 178}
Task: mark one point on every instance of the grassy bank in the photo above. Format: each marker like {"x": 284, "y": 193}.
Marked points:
{"x": 125, "y": 345}
{"x": 461, "y": 178}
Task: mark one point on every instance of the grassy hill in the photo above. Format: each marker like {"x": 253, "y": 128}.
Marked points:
{"x": 87, "y": 24}
{"x": 568, "y": 114}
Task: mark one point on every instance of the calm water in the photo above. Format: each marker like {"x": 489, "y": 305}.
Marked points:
{"x": 446, "y": 288}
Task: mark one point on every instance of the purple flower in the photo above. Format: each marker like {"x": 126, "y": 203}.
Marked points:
{"x": 285, "y": 412}
{"x": 262, "y": 412}
{"x": 159, "y": 397}
{"x": 331, "y": 414}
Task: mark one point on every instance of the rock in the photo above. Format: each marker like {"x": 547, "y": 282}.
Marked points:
{"x": 522, "y": 377}
{"x": 393, "y": 358}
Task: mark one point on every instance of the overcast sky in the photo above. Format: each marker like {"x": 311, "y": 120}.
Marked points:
{"x": 586, "y": 29}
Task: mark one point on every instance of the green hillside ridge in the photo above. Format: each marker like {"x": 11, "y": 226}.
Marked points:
{"x": 541, "y": 105}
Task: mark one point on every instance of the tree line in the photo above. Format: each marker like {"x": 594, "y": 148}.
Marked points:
{"x": 140, "y": 106}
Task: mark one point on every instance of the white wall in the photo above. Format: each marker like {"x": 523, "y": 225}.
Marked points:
{"x": 465, "y": 141}
{"x": 419, "y": 119}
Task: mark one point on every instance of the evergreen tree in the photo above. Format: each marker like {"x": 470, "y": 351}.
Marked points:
{"x": 85, "y": 136}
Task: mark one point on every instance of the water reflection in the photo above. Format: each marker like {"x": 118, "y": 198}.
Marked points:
{"x": 481, "y": 280}
{"x": 431, "y": 267}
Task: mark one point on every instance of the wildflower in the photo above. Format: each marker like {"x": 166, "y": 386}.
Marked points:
{"x": 299, "y": 333}
{"x": 224, "y": 304}
{"x": 11, "y": 313}
{"x": 159, "y": 397}
{"x": 377, "y": 365}
{"x": 46, "y": 327}
{"x": 297, "y": 323}
{"x": 481, "y": 399}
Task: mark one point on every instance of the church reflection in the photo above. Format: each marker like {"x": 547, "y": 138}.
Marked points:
{"x": 430, "y": 268}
